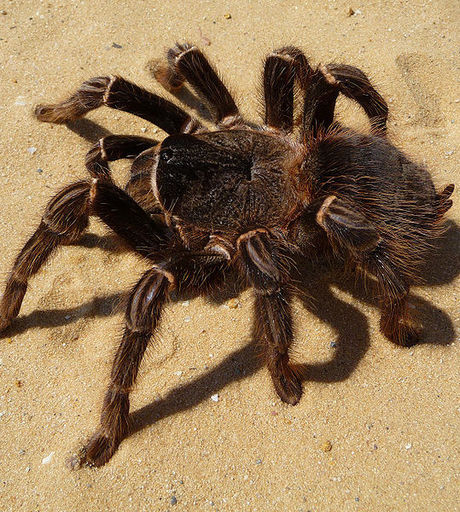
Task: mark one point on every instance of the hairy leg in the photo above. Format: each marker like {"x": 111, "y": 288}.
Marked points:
{"x": 116, "y": 92}
{"x": 354, "y": 84}
{"x": 281, "y": 69}
{"x": 64, "y": 221}
{"x": 142, "y": 316}
{"x": 323, "y": 88}
{"x": 265, "y": 263}
{"x": 111, "y": 148}
{"x": 187, "y": 63}
{"x": 349, "y": 230}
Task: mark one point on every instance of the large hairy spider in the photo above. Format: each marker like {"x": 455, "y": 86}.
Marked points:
{"x": 236, "y": 197}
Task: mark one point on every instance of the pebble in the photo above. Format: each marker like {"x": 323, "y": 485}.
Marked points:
{"x": 116, "y": 45}
{"x": 333, "y": 344}
{"x": 48, "y": 459}
{"x": 227, "y": 16}
{"x": 326, "y": 446}
{"x": 22, "y": 452}
{"x": 173, "y": 500}
{"x": 185, "y": 303}
{"x": 20, "y": 101}
{"x": 259, "y": 461}
{"x": 408, "y": 446}
{"x": 143, "y": 129}
{"x": 187, "y": 319}
{"x": 32, "y": 150}
{"x": 27, "y": 469}
{"x": 39, "y": 170}
{"x": 215, "y": 398}
{"x": 233, "y": 303}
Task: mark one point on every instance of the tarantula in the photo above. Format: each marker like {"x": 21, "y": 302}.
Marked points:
{"x": 236, "y": 197}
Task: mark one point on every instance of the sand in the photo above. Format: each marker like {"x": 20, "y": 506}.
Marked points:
{"x": 377, "y": 427}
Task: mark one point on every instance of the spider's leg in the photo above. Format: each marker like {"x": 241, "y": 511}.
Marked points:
{"x": 111, "y": 148}
{"x": 265, "y": 263}
{"x": 116, "y": 92}
{"x": 281, "y": 69}
{"x": 354, "y": 84}
{"x": 349, "y": 230}
{"x": 143, "y": 313}
{"x": 321, "y": 92}
{"x": 187, "y": 63}
{"x": 64, "y": 221}
{"x": 323, "y": 88}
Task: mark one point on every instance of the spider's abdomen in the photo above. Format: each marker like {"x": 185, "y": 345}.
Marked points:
{"x": 392, "y": 192}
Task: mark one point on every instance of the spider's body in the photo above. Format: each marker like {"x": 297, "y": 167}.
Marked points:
{"x": 203, "y": 202}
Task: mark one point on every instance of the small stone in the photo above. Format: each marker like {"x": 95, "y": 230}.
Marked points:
{"x": 215, "y": 398}
{"x": 227, "y": 16}
{"x": 173, "y": 500}
{"x": 185, "y": 303}
{"x": 187, "y": 319}
{"x": 143, "y": 130}
{"x": 351, "y": 11}
{"x": 39, "y": 170}
{"x": 326, "y": 446}
{"x": 20, "y": 101}
{"x": 22, "y": 452}
{"x": 19, "y": 383}
{"x": 179, "y": 373}
{"x": 116, "y": 45}
{"x": 233, "y": 303}
{"x": 3, "y": 12}
{"x": 259, "y": 461}
{"x": 27, "y": 469}
{"x": 48, "y": 459}
{"x": 32, "y": 150}
{"x": 408, "y": 446}
{"x": 333, "y": 344}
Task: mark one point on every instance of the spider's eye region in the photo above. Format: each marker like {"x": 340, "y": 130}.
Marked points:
{"x": 166, "y": 155}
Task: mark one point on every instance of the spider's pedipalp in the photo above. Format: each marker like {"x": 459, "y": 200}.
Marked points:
{"x": 117, "y": 93}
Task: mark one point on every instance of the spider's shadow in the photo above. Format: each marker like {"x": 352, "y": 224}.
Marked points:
{"x": 349, "y": 323}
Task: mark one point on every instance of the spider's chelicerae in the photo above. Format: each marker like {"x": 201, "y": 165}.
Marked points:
{"x": 242, "y": 198}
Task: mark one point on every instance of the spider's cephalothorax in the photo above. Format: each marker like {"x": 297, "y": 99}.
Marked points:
{"x": 242, "y": 198}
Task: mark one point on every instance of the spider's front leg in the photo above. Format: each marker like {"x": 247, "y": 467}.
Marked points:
{"x": 142, "y": 316}
{"x": 265, "y": 260}
{"x": 65, "y": 220}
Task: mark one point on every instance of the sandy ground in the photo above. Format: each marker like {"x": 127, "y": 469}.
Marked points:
{"x": 378, "y": 426}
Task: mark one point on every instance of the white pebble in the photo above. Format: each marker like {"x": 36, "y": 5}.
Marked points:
{"x": 27, "y": 469}
{"x": 20, "y": 101}
{"x": 179, "y": 373}
{"x": 31, "y": 150}
{"x": 48, "y": 459}
{"x": 187, "y": 319}
{"x": 215, "y": 398}
{"x": 408, "y": 446}
{"x": 185, "y": 303}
